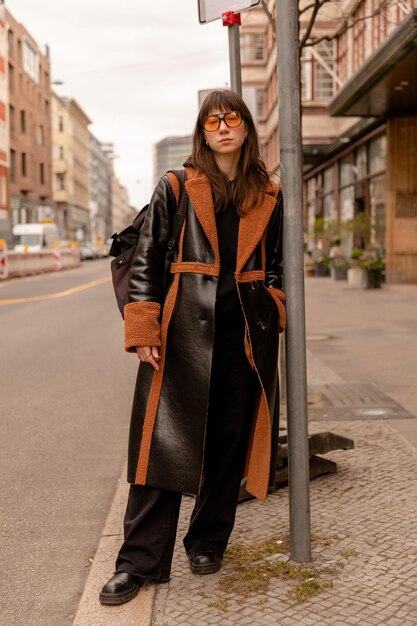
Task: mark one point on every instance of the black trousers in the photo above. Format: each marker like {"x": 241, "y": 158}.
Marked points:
{"x": 151, "y": 517}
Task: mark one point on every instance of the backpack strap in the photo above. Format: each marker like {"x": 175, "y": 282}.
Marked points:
{"x": 177, "y": 180}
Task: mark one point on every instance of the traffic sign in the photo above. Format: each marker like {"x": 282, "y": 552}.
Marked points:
{"x": 210, "y": 10}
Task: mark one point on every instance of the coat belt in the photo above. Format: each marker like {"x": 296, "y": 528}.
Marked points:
{"x": 195, "y": 268}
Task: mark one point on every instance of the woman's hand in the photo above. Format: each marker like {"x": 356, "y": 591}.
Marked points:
{"x": 149, "y": 354}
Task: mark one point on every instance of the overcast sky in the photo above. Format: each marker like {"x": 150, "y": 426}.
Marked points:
{"x": 134, "y": 66}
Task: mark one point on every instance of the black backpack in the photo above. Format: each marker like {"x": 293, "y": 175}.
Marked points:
{"x": 124, "y": 243}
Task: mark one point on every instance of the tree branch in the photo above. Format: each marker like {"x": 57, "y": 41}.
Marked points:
{"x": 306, "y": 36}
{"x": 269, "y": 16}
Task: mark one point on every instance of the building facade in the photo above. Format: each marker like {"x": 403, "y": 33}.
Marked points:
{"x": 170, "y": 154}
{"x": 100, "y": 190}
{"x": 359, "y": 123}
{"x": 25, "y": 72}
{"x": 5, "y": 221}
{"x": 71, "y": 168}
{"x": 121, "y": 210}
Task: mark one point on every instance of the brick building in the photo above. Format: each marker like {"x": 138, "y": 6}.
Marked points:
{"x": 25, "y": 78}
{"x": 359, "y": 122}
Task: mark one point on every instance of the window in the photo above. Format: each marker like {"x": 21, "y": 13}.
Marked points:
{"x": 252, "y": 47}
{"x": 60, "y": 178}
{"x": 10, "y": 42}
{"x": 41, "y": 173}
{"x": 61, "y": 152}
{"x": 22, "y": 121}
{"x": 12, "y": 166}
{"x": 23, "y": 164}
{"x": 261, "y": 102}
{"x": 11, "y": 118}
{"x": 41, "y": 135}
{"x": 317, "y": 68}
{"x": 11, "y": 78}
{"x": 30, "y": 61}
{"x": 61, "y": 124}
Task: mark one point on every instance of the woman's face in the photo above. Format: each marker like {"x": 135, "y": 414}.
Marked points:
{"x": 226, "y": 140}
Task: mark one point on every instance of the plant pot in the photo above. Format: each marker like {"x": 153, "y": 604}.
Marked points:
{"x": 374, "y": 278}
{"x": 338, "y": 273}
{"x": 357, "y": 278}
{"x": 322, "y": 270}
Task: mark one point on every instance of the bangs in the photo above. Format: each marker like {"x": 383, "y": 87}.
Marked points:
{"x": 220, "y": 101}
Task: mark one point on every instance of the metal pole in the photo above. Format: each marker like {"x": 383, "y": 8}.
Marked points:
{"x": 232, "y": 21}
{"x": 290, "y": 171}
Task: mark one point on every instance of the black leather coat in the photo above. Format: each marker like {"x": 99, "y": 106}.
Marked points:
{"x": 169, "y": 412}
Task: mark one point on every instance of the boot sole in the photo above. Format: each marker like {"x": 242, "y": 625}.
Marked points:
{"x": 205, "y": 569}
{"x": 121, "y": 598}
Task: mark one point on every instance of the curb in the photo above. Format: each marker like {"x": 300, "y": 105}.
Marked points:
{"x": 90, "y": 612}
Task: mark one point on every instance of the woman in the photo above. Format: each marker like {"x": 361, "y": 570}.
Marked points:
{"x": 206, "y": 394}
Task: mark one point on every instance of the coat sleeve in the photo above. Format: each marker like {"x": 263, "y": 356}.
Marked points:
{"x": 273, "y": 264}
{"x": 146, "y": 279}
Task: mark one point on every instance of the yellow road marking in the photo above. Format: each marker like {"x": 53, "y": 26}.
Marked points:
{"x": 59, "y": 294}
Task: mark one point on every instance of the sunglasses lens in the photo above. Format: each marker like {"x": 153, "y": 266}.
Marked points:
{"x": 233, "y": 119}
{"x": 211, "y": 123}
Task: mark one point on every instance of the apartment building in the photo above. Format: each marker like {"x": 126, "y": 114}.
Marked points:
{"x": 25, "y": 123}
{"x": 359, "y": 121}
{"x": 100, "y": 190}
{"x": 121, "y": 209}
{"x": 71, "y": 168}
{"x": 5, "y": 225}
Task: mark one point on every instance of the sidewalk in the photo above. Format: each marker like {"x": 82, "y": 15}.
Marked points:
{"x": 364, "y": 534}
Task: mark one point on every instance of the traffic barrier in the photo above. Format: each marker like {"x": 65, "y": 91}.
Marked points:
{"x": 29, "y": 263}
{"x": 4, "y": 265}
{"x": 57, "y": 256}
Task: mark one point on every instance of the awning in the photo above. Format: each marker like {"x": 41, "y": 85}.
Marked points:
{"x": 386, "y": 84}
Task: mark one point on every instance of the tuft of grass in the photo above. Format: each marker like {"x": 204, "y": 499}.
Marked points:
{"x": 255, "y": 565}
{"x": 309, "y": 588}
{"x": 347, "y": 553}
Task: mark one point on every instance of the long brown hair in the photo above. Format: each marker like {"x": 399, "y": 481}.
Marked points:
{"x": 252, "y": 177}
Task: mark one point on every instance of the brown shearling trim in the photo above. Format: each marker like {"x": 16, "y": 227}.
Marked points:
{"x": 155, "y": 392}
{"x": 252, "y": 226}
{"x": 258, "y": 458}
{"x": 195, "y": 268}
{"x": 250, "y": 276}
{"x": 141, "y": 325}
{"x": 259, "y": 455}
{"x": 199, "y": 191}
{"x": 279, "y": 297}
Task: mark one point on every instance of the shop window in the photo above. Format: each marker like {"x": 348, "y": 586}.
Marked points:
{"x": 377, "y": 154}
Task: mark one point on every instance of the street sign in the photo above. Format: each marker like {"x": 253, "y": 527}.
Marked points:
{"x": 210, "y": 10}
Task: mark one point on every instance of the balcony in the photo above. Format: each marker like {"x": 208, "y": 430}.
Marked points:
{"x": 60, "y": 166}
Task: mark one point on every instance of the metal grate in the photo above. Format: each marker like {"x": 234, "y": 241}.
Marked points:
{"x": 406, "y": 205}
{"x": 356, "y": 401}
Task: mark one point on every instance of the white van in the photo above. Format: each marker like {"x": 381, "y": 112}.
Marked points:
{"x": 35, "y": 237}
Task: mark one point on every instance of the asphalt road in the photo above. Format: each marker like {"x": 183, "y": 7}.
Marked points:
{"x": 66, "y": 389}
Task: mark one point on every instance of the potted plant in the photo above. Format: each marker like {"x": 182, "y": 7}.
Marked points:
{"x": 322, "y": 265}
{"x": 373, "y": 263}
{"x": 338, "y": 268}
{"x": 356, "y": 275}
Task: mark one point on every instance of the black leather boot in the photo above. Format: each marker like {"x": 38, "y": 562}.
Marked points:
{"x": 205, "y": 562}
{"x": 122, "y": 587}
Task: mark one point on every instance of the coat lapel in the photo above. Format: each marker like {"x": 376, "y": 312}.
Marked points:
{"x": 253, "y": 225}
{"x": 199, "y": 191}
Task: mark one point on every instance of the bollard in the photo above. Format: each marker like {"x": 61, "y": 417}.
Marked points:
{"x": 4, "y": 264}
{"x": 57, "y": 256}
